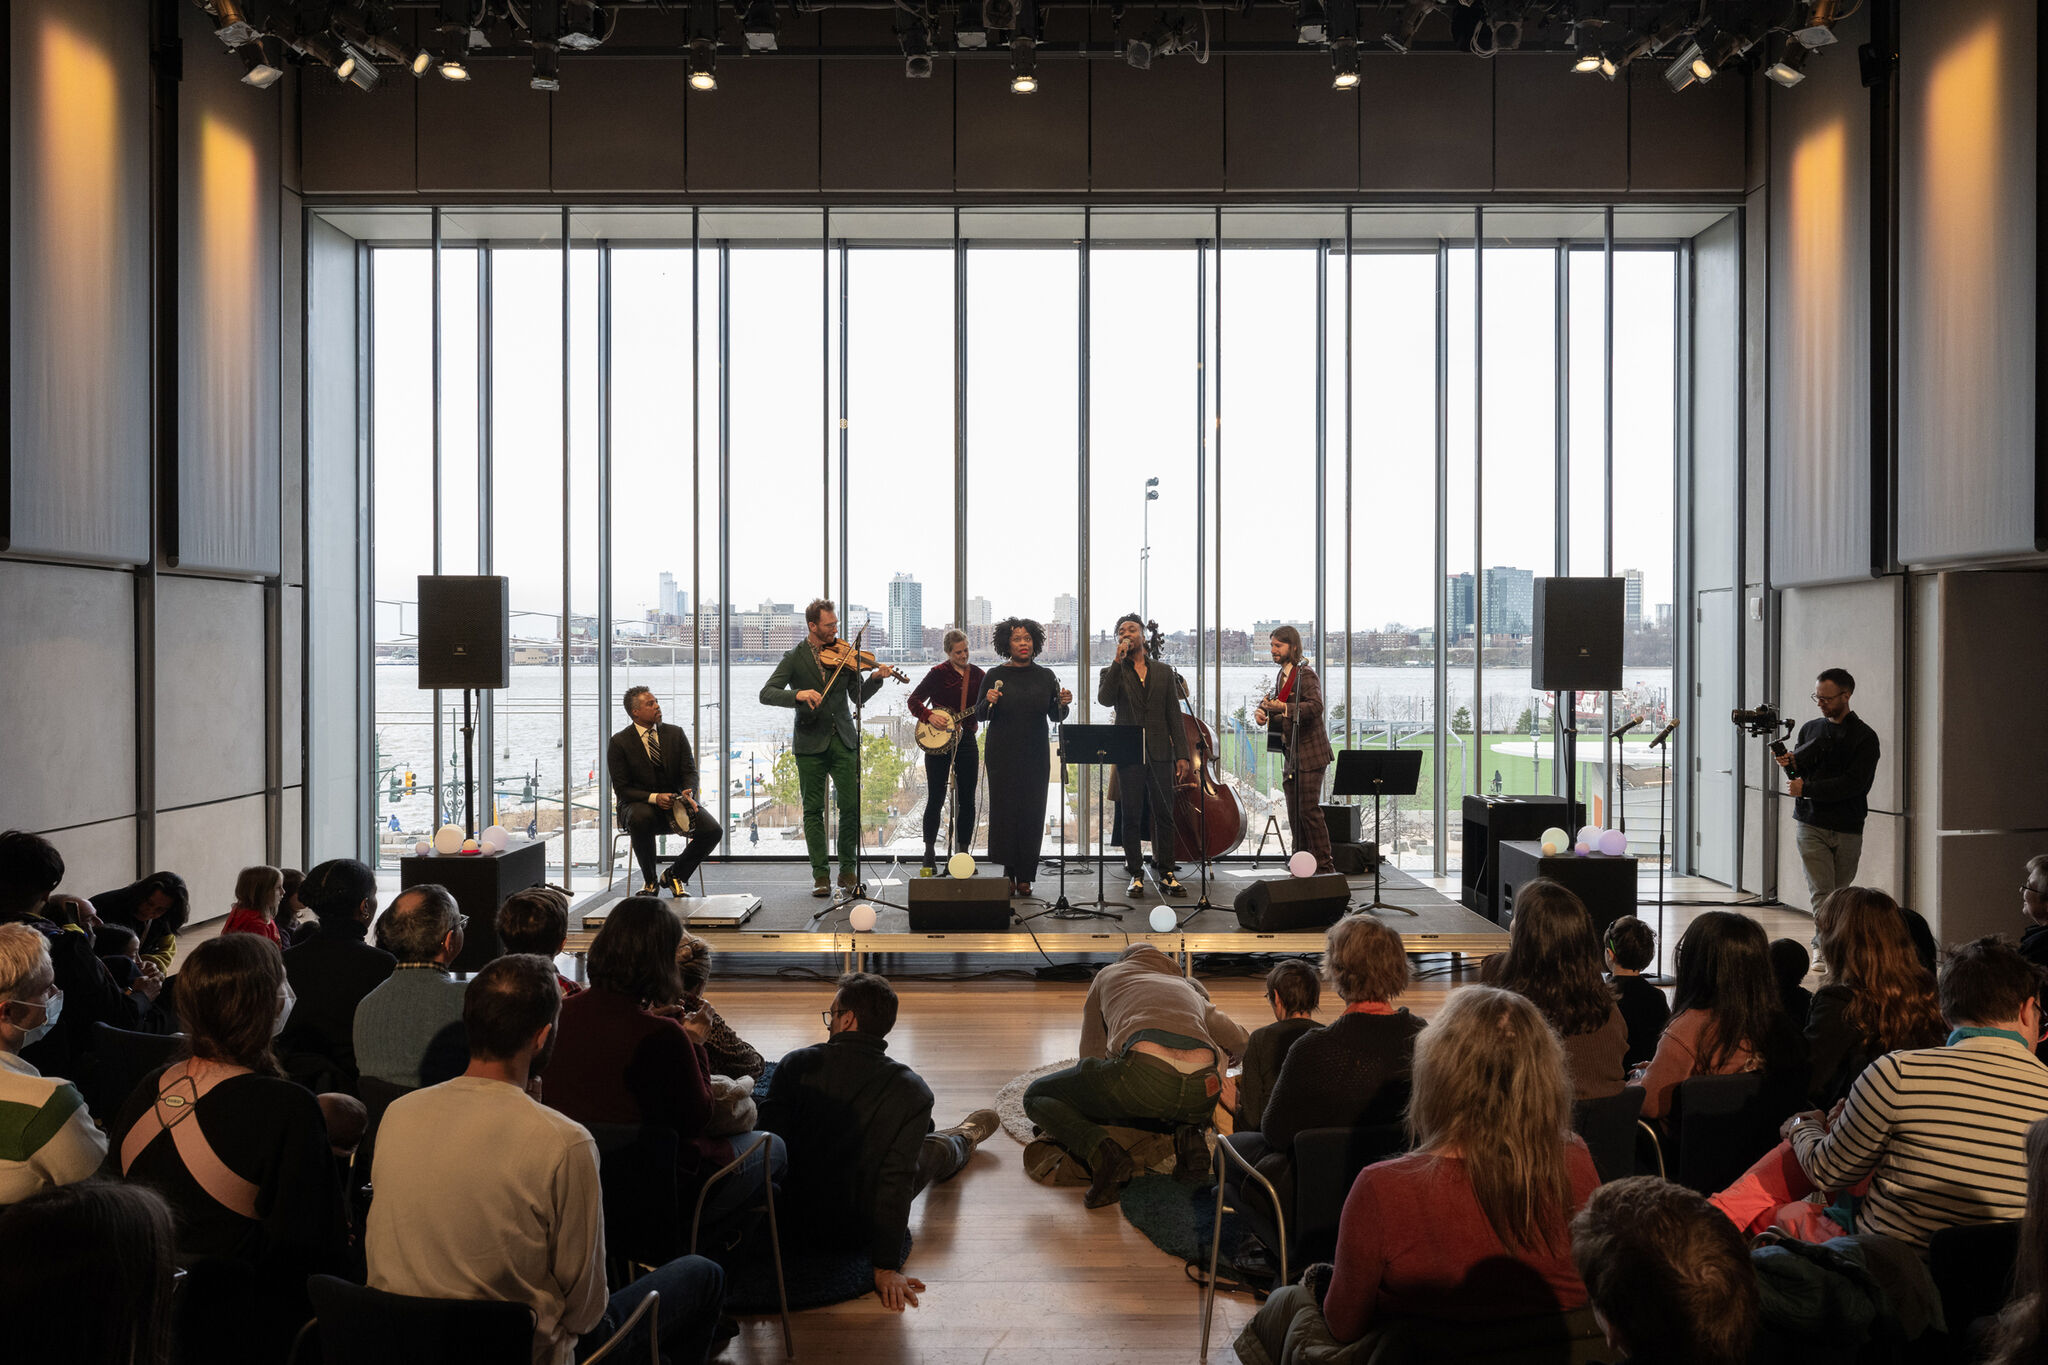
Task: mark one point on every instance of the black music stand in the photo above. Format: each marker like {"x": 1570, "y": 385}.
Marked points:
{"x": 1377, "y": 773}
{"x": 1097, "y": 746}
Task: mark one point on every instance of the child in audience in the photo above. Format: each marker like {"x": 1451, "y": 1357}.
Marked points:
{"x": 120, "y": 948}
{"x": 1293, "y": 990}
{"x": 1631, "y": 948}
{"x": 292, "y": 920}
{"x": 1725, "y": 1015}
{"x": 1790, "y": 962}
{"x": 258, "y": 893}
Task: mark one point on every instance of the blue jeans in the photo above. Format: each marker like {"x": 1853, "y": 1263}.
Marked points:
{"x": 691, "y": 1289}
{"x": 741, "y": 1190}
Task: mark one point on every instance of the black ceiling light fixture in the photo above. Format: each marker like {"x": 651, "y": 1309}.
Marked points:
{"x": 1816, "y": 22}
{"x": 263, "y": 60}
{"x": 1790, "y": 68}
{"x": 970, "y": 29}
{"x": 1400, "y": 34}
{"x": 236, "y": 22}
{"x": 456, "y": 20}
{"x": 1023, "y": 26}
{"x": 1000, "y": 15}
{"x": 1311, "y": 25}
{"x": 544, "y": 31}
{"x": 703, "y": 29}
{"x": 372, "y": 28}
{"x": 1342, "y": 21}
{"x": 914, "y": 36}
{"x": 758, "y": 22}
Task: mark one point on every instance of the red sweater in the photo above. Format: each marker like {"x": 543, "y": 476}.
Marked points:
{"x": 243, "y": 920}
{"x": 941, "y": 687}
{"x": 617, "y": 1063}
{"x": 1413, "y": 1243}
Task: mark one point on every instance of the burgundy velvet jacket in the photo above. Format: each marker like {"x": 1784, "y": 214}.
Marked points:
{"x": 941, "y": 687}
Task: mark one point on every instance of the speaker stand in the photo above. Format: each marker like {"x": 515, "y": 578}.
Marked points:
{"x": 468, "y": 767}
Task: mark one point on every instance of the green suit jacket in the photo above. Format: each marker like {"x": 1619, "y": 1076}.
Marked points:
{"x": 798, "y": 672}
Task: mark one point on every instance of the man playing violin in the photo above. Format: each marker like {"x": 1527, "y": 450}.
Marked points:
{"x": 826, "y": 743}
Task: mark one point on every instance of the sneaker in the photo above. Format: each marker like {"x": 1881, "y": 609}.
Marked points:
{"x": 649, "y": 890}
{"x": 678, "y": 888}
{"x": 1136, "y": 888}
{"x": 1110, "y": 1170}
{"x": 1169, "y": 885}
{"x": 978, "y": 1127}
{"x": 821, "y": 887}
{"x": 1191, "y": 1152}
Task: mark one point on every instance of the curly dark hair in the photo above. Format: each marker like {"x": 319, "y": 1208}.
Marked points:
{"x": 1001, "y": 635}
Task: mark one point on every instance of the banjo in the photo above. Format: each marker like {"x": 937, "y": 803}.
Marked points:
{"x": 934, "y": 739}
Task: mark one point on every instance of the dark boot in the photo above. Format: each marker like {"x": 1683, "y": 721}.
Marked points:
{"x": 1112, "y": 1170}
{"x": 1191, "y": 1152}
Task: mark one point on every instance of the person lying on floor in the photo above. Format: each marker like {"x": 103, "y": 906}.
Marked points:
{"x": 1153, "y": 1049}
{"x": 859, "y": 1128}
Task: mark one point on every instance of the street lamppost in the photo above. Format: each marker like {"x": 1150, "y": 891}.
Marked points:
{"x": 1145, "y": 554}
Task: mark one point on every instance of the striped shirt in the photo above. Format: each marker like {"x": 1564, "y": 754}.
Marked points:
{"x": 46, "y": 1137}
{"x": 1940, "y": 1131}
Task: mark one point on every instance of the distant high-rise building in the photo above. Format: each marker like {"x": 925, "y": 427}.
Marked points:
{"x": 1459, "y": 618}
{"x": 1663, "y": 616}
{"x": 1066, "y": 609}
{"x": 1632, "y": 597}
{"x": 665, "y": 601}
{"x": 906, "y": 612}
{"x": 1510, "y": 600}
{"x": 979, "y": 613}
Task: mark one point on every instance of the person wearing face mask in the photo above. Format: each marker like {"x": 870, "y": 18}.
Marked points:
{"x": 239, "y": 1152}
{"x": 46, "y": 1136}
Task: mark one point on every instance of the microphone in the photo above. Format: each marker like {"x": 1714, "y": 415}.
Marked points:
{"x": 1664, "y": 734}
{"x": 1624, "y": 728}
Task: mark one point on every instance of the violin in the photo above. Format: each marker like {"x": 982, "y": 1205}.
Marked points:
{"x": 839, "y": 655}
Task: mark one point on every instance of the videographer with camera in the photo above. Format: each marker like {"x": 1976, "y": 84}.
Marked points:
{"x": 1831, "y": 767}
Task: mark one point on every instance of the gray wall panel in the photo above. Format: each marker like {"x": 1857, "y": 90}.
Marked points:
{"x": 227, "y": 456}
{"x": 291, "y": 385}
{"x": 1691, "y": 139}
{"x": 1284, "y": 128}
{"x": 1969, "y": 445}
{"x": 78, "y": 459}
{"x": 488, "y": 134}
{"x": 1854, "y": 626}
{"x": 618, "y": 126}
{"x": 294, "y": 684}
{"x": 1008, "y": 143}
{"x": 67, "y": 695}
{"x": 209, "y": 845}
{"x": 758, "y": 134}
{"x": 210, "y": 688}
{"x": 1716, "y": 396}
{"x": 1992, "y": 752}
{"x": 1555, "y": 129}
{"x": 1923, "y": 796}
{"x": 1978, "y": 879}
{"x": 1154, "y": 130}
{"x": 334, "y": 589}
{"x": 356, "y": 143}
{"x": 880, "y": 131}
{"x": 292, "y": 833}
{"x": 98, "y": 857}
{"x": 1426, "y": 123}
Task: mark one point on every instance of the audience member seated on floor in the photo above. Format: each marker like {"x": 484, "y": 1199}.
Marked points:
{"x": 1631, "y": 947}
{"x": 294, "y": 922}
{"x": 1878, "y": 998}
{"x": 1669, "y": 1280}
{"x": 2034, "y": 909}
{"x": 630, "y": 1052}
{"x": 1725, "y": 1016}
{"x": 731, "y": 1055}
{"x": 2021, "y": 1336}
{"x": 482, "y": 1193}
{"x": 1790, "y": 962}
{"x": 1553, "y": 961}
{"x": 1474, "y": 1224}
{"x": 330, "y": 973}
{"x": 30, "y": 869}
{"x": 1153, "y": 1049}
{"x": 1350, "y": 1074}
{"x": 1938, "y": 1135}
{"x": 1292, "y": 992}
{"x": 90, "y": 1273}
{"x": 859, "y": 1128}
{"x": 536, "y": 921}
{"x": 120, "y": 949}
{"x": 156, "y": 907}
{"x": 240, "y": 1153}
{"x": 46, "y": 1136}
{"x": 258, "y": 893}
{"x": 408, "y": 1030}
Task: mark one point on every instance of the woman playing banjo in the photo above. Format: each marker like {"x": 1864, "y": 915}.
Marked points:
{"x": 944, "y": 706}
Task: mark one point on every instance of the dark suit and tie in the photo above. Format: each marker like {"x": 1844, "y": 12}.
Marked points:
{"x": 646, "y": 762}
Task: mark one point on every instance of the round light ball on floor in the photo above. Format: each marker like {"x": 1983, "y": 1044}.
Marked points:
{"x": 1302, "y": 864}
{"x": 1162, "y": 920}
{"x": 862, "y": 918}
{"x": 1614, "y": 843}
{"x": 448, "y": 839}
{"x": 422, "y": 848}
{"x": 961, "y": 865}
{"x": 1554, "y": 841}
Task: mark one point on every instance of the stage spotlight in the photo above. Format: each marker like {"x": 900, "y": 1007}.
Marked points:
{"x": 547, "y": 68}
{"x": 1790, "y": 69}
{"x": 758, "y": 20}
{"x": 235, "y": 24}
{"x": 1023, "y": 66}
{"x": 999, "y": 14}
{"x": 1684, "y": 69}
{"x": 1400, "y": 36}
{"x": 1311, "y": 26}
{"x": 356, "y": 68}
{"x": 263, "y": 60}
{"x": 969, "y": 28}
{"x": 703, "y": 64}
{"x": 916, "y": 41}
{"x": 453, "y": 28}
{"x": 1818, "y": 30}
{"x": 1138, "y": 54}
{"x": 323, "y": 50}
{"x": 585, "y": 25}
{"x": 1344, "y": 62}
{"x": 1590, "y": 58}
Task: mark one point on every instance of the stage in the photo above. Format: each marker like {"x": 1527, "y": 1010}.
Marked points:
{"x": 791, "y": 920}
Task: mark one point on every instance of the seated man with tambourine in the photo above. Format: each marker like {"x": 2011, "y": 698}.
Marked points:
{"x": 944, "y": 706}
{"x": 654, "y": 777}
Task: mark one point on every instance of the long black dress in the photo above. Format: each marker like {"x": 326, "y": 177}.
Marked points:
{"x": 1018, "y": 752}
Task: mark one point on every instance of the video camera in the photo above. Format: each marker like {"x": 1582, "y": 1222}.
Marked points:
{"x": 1764, "y": 720}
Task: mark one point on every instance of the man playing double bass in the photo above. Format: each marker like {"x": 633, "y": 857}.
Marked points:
{"x": 826, "y": 744}
{"x": 1146, "y": 692}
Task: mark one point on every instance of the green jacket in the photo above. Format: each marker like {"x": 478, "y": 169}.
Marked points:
{"x": 798, "y": 672}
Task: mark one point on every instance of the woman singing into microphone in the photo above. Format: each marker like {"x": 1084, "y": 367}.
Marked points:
{"x": 1019, "y": 700}
{"x": 1297, "y": 702}
{"x": 945, "y": 700}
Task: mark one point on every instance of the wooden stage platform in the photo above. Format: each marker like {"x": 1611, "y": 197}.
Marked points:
{"x": 791, "y": 920}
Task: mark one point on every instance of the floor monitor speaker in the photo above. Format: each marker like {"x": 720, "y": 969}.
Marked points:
{"x": 1284, "y": 904}
{"x": 465, "y": 637}
{"x": 1577, "y": 628}
{"x": 960, "y": 905}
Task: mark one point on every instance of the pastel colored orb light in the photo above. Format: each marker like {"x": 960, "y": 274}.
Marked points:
{"x": 1614, "y": 843}
{"x": 1554, "y": 841}
{"x": 448, "y": 839}
{"x": 1582, "y": 848}
{"x": 496, "y": 837}
{"x": 422, "y": 848}
{"x": 862, "y": 918}
{"x": 1590, "y": 835}
{"x": 1162, "y": 920}
{"x": 1302, "y": 864}
{"x": 472, "y": 846}
{"x": 961, "y": 865}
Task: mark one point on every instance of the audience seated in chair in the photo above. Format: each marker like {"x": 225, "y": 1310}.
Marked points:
{"x": 240, "y": 1153}
{"x": 1669, "y": 1279}
{"x": 536, "y": 921}
{"x": 30, "y": 870}
{"x": 1878, "y": 998}
{"x": 46, "y": 1136}
{"x": 2021, "y": 1334}
{"x": 156, "y": 907}
{"x": 631, "y": 1052}
{"x": 1292, "y": 992}
{"x": 859, "y": 1128}
{"x": 408, "y": 1031}
{"x": 1790, "y": 962}
{"x": 1935, "y": 1135}
{"x": 2034, "y": 909}
{"x": 120, "y": 948}
{"x": 90, "y": 1272}
{"x": 1153, "y": 1049}
{"x": 731, "y": 1055}
{"x": 259, "y": 891}
{"x": 1725, "y": 1015}
{"x": 482, "y": 1193}
{"x": 1553, "y": 961}
{"x": 330, "y": 972}
{"x": 1352, "y": 1073}
{"x": 294, "y": 918}
{"x": 1631, "y": 947}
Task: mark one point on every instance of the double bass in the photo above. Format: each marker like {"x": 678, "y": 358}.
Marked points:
{"x": 1208, "y": 816}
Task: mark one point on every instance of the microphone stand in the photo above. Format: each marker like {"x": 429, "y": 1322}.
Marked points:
{"x": 859, "y": 685}
{"x": 1662, "y": 744}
